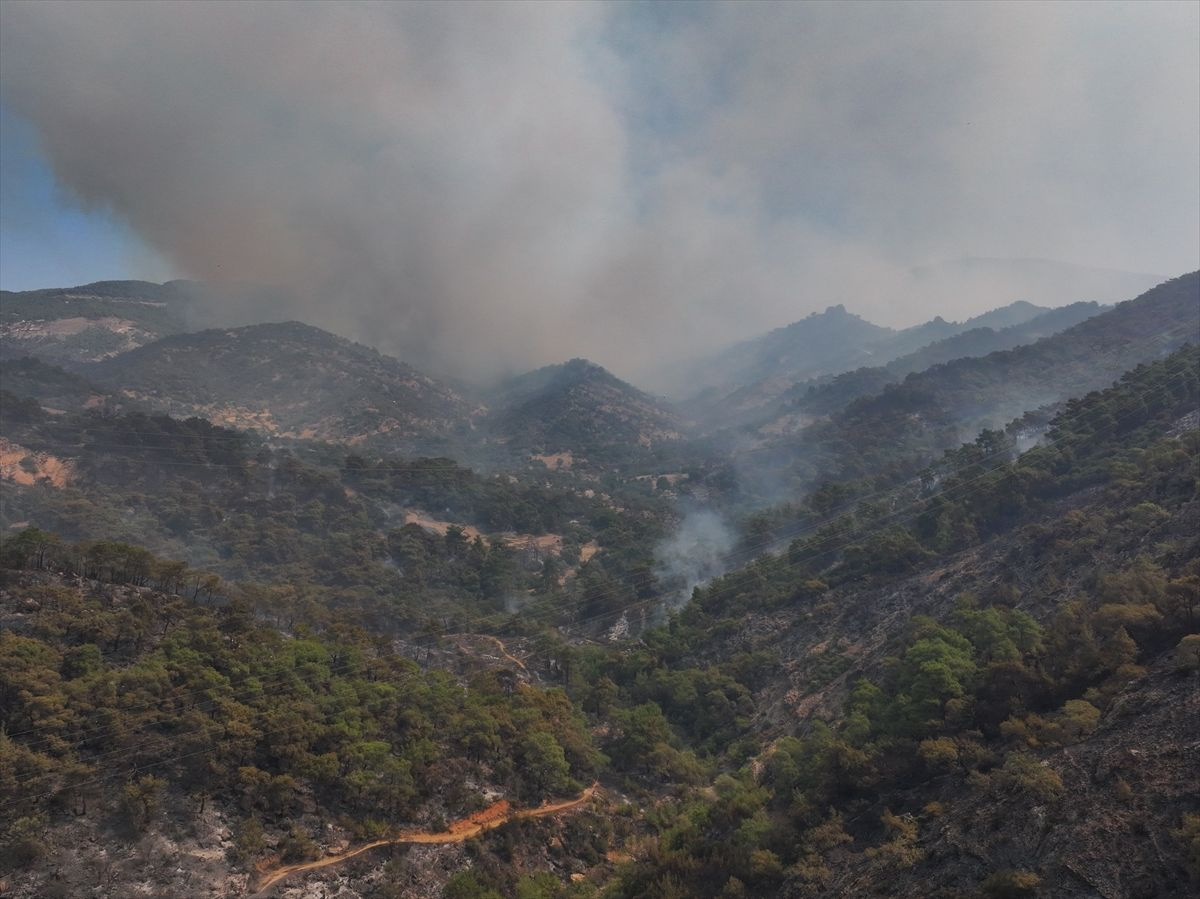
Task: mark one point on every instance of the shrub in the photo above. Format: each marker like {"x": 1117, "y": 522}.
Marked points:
{"x": 1187, "y": 654}
{"x": 298, "y": 846}
{"x": 1011, "y": 885}
{"x": 141, "y": 800}
{"x": 1189, "y": 835}
{"x": 901, "y": 851}
{"x": 23, "y": 841}
{"x": 1024, "y": 774}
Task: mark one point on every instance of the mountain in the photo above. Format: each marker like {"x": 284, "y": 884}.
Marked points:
{"x": 981, "y": 697}
{"x": 723, "y": 387}
{"x": 1007, "y": 316}
{"x": 907, "y": 423}
{"x": 92, "y": 321}
{"x": 815, "y": 345}
{"x": 909, "y": 340}
{"x": 939, "y": 661}
{"x": 288, "y": 380}
{"x": 977, "y": 688}
{"x": 823, "y": 398}
{"x": 52, "y": 387}
{"x": 581, "y": 407}
{"x": 751, "y": 375}
{"x": 992, "y": 389}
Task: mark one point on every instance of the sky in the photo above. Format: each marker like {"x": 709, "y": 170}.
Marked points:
{"x": 483, "y": 188}
{"x": 47, "y": 238}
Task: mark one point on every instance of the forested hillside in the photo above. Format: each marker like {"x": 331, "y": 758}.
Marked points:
{"x": 981, "y": 689}
{"x": 333, "y": 389}
{"x": 951, "y": 668}
{"x": 823, "y": 398}
{"x": 397, "y": 541}
{"x": 892, "y": 433}
{"x": 599, "y": 450}
{"x": 582, "y": 408}
{"x": 92, "y": 321}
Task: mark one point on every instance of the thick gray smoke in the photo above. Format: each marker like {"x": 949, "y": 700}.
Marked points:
{"x": 489, "y": 186}
{"x": 696, "y": 553}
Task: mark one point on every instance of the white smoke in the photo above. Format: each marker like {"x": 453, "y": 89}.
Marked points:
{"x": 696, "y": 553}
{"x": 482, "y": 186}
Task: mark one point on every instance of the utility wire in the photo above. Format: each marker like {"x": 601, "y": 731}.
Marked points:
{"x": 570, "y": 603}
{"x": 878, "y": 524}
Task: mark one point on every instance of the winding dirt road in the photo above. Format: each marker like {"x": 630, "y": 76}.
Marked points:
{"x": 504, "y": 651}
{"x": 463, "y": 829}
{"x": 498, "y": 643}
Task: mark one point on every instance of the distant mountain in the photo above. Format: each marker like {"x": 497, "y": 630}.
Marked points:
{"x": 994, "y": 388}
{"x": 727, "y": 385}
{"x": 290, "y": 380}
{"x": 823, "y": 398}
{"x": 753, "y": 374}
{"x": 1008, "y": 316}
{"x": 907, "y": 423}
{"x": 812, "y": 346}
{"x": 909, "y": 340}
{"x": 92, "y": 321}
{"x": 578, "y": 406}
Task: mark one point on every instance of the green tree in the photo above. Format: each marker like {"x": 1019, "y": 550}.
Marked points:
{"x": 545, "y": 765}
{"x": 141, "y": 801}
{"x": 467, "y": 885}
{"x": 1010, "y": 885}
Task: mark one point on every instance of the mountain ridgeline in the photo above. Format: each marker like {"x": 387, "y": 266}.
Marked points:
{"x": 289, "y": 380}
{"x": 579, "y": 405}
{"x": 892, "y": 432}
{"x": 92, "y": 321}
{"x": 755, "y": 372}
{"x": 980, "y": 340}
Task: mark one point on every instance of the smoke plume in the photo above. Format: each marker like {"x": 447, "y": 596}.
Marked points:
{"x": 487, "y": 187}
{"x": 696, "y": 553}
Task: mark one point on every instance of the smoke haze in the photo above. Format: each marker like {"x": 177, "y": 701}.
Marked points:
{"x": 487, "y": 187}
{"x": 694, "y": 554}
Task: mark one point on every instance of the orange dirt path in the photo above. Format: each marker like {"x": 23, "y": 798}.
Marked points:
{"x": 504, "y": 651}
{"x": 464, "y": 829}
{"x": 499, "y": 645}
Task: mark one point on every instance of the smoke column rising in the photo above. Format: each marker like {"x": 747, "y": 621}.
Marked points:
{"x": 491, "y": 186}
{"x": 695, "y": 554}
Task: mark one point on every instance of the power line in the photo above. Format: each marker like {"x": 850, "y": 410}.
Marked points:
{"x": 750, "y": 552}
{"x": 1153, "y": 341}
{"x": 878, "y": 524}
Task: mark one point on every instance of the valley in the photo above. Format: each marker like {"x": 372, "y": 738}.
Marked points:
{"x": 599, "y": 450}
{"x": 313, "y": 619}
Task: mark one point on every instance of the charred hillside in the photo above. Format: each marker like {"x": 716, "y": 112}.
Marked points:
{"x": 92, "y": 321}
{"x": 581, "y": 407}
{"x": 893, "y": 433}
{"x": 991, "y": 694}
{"x": 290, "y": 380}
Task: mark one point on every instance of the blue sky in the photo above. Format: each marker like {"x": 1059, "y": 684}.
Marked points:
{"x": 48, "y": 238}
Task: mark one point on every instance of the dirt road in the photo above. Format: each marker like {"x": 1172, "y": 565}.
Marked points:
{"x": 464, "y": 829}
{"x": 495, "y": 640}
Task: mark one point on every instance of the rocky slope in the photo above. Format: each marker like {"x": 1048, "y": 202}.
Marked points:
{"x": 581, "y": 407}
{"x": 824, "y": 397}
{"x": 92, "y": 321}
{"x": 289, "y": 380}
{"x": 755, "y": 373}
